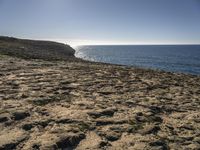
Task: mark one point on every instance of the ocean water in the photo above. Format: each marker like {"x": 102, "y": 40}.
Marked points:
{"x": 174, "y": 58}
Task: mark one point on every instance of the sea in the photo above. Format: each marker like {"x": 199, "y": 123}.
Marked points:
{"x": 172, "y": 58}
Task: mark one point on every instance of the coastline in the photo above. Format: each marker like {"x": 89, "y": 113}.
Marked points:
{"x": 80, "y": 104}
{"x": 138, "y": 67}
{"x": 170, "y": 58}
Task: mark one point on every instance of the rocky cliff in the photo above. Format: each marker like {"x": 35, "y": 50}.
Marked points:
{"x": 33, "y": 49}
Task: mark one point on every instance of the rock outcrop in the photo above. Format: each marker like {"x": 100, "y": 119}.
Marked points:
{"x": 33, "y": 49}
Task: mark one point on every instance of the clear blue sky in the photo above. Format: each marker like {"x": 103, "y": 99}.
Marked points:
{"x": 103, "y": 21}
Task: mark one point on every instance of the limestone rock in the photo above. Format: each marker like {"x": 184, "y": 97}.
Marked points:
{"x": 106, "y": 112}
{"x": 19, "y": 115}
{"x": 4, "y": 117}
{"x": 70, "y": 140}
{"x": 9, "y": 139}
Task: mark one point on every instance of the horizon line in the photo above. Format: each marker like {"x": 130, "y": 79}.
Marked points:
{"x": 139, "y": 44}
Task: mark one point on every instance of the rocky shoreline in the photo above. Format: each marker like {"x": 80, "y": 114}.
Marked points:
{"x": 67, "y": 104}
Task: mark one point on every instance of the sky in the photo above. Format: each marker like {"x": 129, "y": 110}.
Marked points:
{"x": 80, "y": 22}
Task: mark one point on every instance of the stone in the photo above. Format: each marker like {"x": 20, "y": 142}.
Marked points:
{"x": 4, "y": 117}
{"x": 118, "y": 101}
{"x": 105, "y": 112}
{"x": 141, "y": 119}
{"x": 27, "y": 127}
{"x": 155, "y": 109}
{"x": 149, "y": 129}
{"x": 160, "y": 144}
{"x": 69, "y": 140}
{"x": 36, "y": 146}
{"x": 130, "y": 102}
{"x": 42, "y": 101}
{"x": 118, "y": 129}
{"x": 103, "y": 143}
{"x": 19, "y": 115}
{"x": 155, "y": 118}
{"x": 187, "y": 127}
{"x": 102, "y": 122}
{"x": 106, "y": 92}
{"x": 112, "y": 136}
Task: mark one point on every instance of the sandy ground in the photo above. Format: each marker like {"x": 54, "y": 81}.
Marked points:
{"x": 82, "y": 105}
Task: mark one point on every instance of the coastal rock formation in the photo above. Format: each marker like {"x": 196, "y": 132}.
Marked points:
{"x": 84, "y": 105}
{"x": 32, "y": 49}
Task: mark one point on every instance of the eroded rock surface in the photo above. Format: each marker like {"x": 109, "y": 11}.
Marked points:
{"x": 83, "y": 105}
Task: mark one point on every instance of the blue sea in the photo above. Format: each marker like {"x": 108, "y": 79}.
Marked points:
{"x": 173, "y": 58}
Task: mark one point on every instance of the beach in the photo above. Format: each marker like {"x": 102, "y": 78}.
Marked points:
{"x": 76, "y": 104}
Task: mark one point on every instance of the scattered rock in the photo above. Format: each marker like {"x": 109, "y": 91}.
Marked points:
{"x": 149, "y": 129}
{"x": 130, "y": 102}
{"x": 187, "y": 127}
{"x": 102, "y": 122}
{"x": 112, "y": 136}
{"x": 159, "y": 144}
{"x": 155, "y": 119}
{"x": 155, "y": 109}
{"x": 106, "y": 92}
{"x": 44, "y": 123}
{"x": 106, "y": 112}
{"x": 42, "y": 101}
{"x": 118, "y": 128}
{"x": 27, "y": 127}
{"x": 70, "y": 140}
{"x": 85, "y": 126}
{"x": 4, "y": 117}
{"x": 118, "y": 101}
{"x": 24, "y": 95}
{"x": 36, "y": 146}
{"x": 19, "y": 115}
{"x": 104, "y": 144}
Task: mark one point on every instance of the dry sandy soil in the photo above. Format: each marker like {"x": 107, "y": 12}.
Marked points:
{"x": 82, "y": 105}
